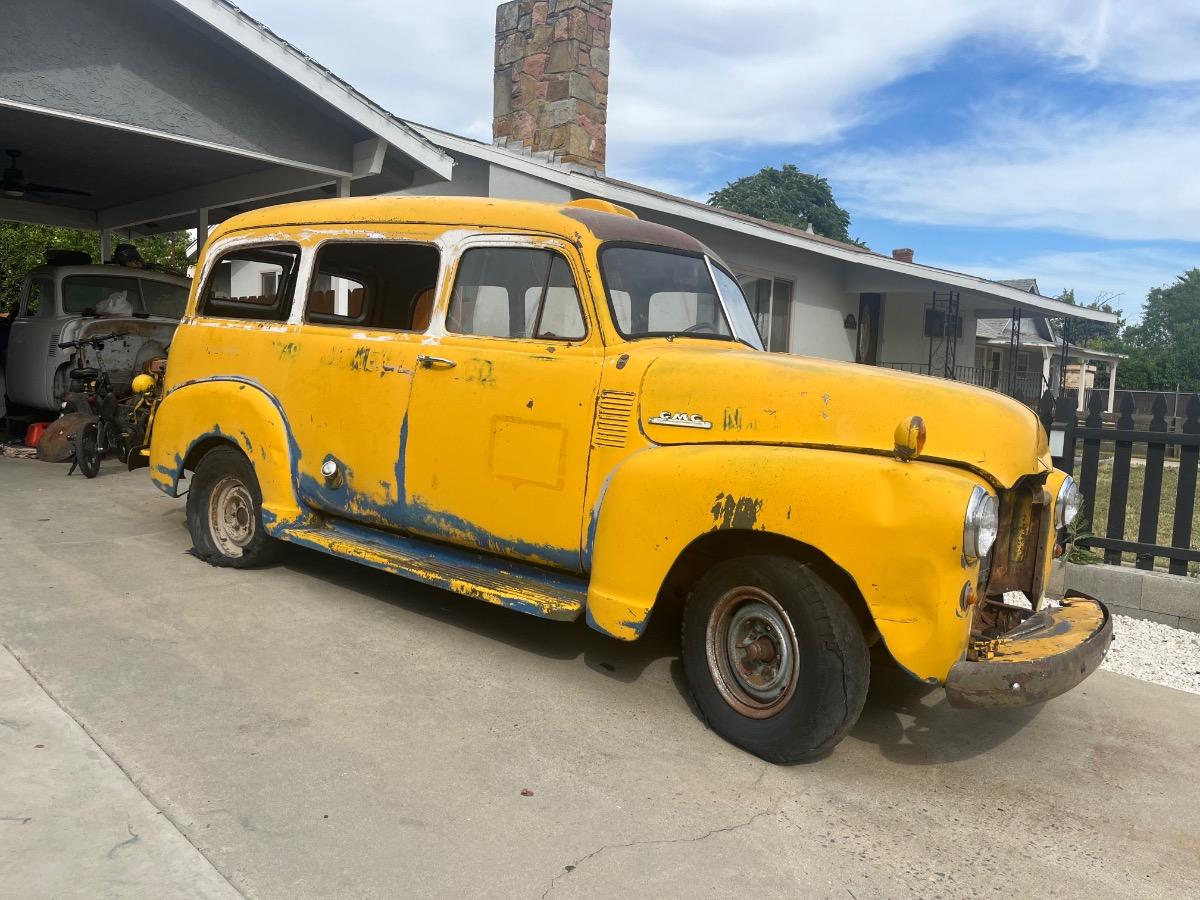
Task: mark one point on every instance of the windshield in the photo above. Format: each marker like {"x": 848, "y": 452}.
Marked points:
{"x": 655, "y": 292}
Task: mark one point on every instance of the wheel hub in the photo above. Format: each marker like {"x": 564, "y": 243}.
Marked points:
{"x": 231, "y": 516}
{"x": 752, "y": 652}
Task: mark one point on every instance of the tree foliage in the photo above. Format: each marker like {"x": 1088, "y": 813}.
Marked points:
{"x": 789, "y": 197}
{"x": 22, "y": 247}
{"x": 1164, "y": 348}
{"x": 1090, "y": 334}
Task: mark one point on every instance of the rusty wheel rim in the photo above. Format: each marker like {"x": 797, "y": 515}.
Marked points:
{"x": 231, "y": 516}
{"x": 753, "y": 655}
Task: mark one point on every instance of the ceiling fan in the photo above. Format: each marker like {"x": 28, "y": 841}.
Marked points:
{"x": 12, "y": 183}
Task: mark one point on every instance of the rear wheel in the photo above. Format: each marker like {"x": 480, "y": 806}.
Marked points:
{"x": 775, "y": 659}
{"x": 224, "y": 512}
{"x": 87, "y": 448}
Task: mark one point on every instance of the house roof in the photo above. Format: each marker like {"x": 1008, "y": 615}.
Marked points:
{"x": 301, "y": 68}
{"x": 1028, "y": 285}
{"x": 625, "y": 193}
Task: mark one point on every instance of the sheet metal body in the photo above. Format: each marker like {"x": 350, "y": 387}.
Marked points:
{"x": 547, "y": 456}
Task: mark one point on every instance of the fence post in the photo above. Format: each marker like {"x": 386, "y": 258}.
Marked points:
{"x": 1119, "y": 498}
{"x": 1045, "y": 410}
{"x": 1064, "y": 418}
{"x": 1185, "y": 499}
{"x": 1152, "y": 482}
{"x": 1091, "y": 455}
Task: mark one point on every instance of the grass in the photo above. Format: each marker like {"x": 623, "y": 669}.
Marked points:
{"x": 1098, "y": 517}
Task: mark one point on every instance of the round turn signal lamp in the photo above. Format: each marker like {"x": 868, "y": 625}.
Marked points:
{"x": 910, "y": 438}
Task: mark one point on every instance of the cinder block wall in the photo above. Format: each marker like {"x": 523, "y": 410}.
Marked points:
{"x": 1158, "y": 597}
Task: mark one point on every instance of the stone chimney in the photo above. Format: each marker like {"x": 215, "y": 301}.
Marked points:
{"x": 551, "y": 83}
{"x": 904, "y": 254}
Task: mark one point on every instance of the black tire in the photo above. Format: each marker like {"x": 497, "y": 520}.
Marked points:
{"x": 224, "y": 512}
{"x": 87, "y": 449}
{"x": 791, "y": 693}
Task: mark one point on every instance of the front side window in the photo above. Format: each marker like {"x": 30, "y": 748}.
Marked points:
{"x": 40, "y": 299}
{"x": 654, "y": 292}
{"x": 163, "y": 299}
{"x": 106, "y": 295}
{"x": 515, "y": 292}
{"x": 238, "y": 284}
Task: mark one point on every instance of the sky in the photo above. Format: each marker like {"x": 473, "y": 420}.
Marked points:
{"x": 1058, "y": 139}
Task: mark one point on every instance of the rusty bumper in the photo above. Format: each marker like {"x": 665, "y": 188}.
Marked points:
{"x": 1046, "y": 655}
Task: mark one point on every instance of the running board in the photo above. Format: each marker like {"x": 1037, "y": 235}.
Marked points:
{"x": 528, "y": 588}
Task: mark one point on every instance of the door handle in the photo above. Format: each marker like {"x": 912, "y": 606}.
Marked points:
{"x": 436, "y": 362}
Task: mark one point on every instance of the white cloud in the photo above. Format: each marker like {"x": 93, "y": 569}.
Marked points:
{"x": 1121, "y": 274}
{"x": 1118, "y": 173}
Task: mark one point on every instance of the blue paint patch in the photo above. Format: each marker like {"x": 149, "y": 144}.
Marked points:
{"x": 637, "y": 627}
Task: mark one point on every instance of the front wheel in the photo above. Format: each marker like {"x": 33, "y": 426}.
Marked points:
{"x": 774, "y": 657}
{"x": 87, "y": 448}
{"x": 224, "y": 512}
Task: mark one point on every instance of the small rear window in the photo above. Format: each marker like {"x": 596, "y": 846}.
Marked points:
{"x": 106, "y": 294}
{"x": 252, "y": 283}
{"x": 164, "y": 299}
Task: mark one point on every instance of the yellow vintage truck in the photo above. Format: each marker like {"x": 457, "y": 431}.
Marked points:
{"x": 568, "y": 411}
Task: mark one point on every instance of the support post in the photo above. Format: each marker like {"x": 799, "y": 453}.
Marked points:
{"x": 343, "y": 187}
{"x": 1083, "y": 374}
{"x": 1112, "y": 384}
{"x": 106, "y": 248}
{"x": 201, "y": 229}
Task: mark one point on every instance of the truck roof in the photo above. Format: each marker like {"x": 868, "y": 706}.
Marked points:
{"x": 111, "y": 269}
{"x": 604, "y": 220}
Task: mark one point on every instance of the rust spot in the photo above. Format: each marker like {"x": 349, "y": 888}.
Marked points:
{"x": 739, "y": 512}
{"x": 733, "y": 420}
{"x": 622, "y": 360}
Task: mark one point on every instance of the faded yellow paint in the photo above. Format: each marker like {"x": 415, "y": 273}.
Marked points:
{"x": 496, "y": 453}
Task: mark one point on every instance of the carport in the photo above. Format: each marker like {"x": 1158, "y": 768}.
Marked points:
{"x": 133, "y": 117}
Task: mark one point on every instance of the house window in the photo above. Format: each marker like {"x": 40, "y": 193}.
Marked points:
{"x": 770, "y": 301}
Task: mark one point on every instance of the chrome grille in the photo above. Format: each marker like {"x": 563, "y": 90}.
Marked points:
{"x": 612, "y": 418}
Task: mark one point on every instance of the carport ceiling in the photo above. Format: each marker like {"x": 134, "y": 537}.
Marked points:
{"x": 166, "y": 113}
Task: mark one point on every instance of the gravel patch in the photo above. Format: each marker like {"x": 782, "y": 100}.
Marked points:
{"x": 1147, "y": 650}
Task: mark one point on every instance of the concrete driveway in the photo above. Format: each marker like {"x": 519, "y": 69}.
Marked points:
{"x": 322, "y": 730}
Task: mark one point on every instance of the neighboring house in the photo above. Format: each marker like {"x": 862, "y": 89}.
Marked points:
{"x": 1031, "y": 364}
{"x": 224, "y": 71}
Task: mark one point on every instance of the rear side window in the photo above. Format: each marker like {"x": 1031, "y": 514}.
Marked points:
{"x": 253, "y": 283}
{"x": 40, "y": 299}
{"x": 384, "y": 285}
{"x": 164, "y": 299}
{"x": 515, "y": 292}
{"x": 104, "y": 294}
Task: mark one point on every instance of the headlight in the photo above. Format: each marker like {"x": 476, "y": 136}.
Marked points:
{"x": 1068, "y": 504}
{"x": 979, "y": 530}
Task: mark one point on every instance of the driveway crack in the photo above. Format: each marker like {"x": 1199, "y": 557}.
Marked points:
{"x": 726, "y": 829}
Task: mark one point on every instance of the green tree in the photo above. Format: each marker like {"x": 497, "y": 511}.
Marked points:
{"x": 1090, "y": 334}
{"x": 22, "y": 247}
{"x": 789, "y": 197}
{"x": 1163, "y": 347}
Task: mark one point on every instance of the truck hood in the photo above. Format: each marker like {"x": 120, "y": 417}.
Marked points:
{"x": 769, "y": 398}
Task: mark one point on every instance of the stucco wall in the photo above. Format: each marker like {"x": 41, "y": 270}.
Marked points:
{"x": 133, "y": 62}
{"x": 902, "y": 327}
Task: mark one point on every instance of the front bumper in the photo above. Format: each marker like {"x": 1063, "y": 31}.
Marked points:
{"x": 1046, "y": 655}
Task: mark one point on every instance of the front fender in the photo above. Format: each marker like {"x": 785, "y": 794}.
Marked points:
{"x": 896, "y": 529}
{"x": 240, "y": 412}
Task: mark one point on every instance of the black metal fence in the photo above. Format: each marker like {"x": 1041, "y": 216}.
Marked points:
{"x": 1083, "y": 443}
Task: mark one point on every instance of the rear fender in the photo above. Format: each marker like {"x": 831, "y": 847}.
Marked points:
{"x": 238, "y": 412}
{"x": 895, "y": 528}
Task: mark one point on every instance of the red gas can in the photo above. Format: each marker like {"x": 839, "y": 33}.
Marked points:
{"x": 33, "y": 434}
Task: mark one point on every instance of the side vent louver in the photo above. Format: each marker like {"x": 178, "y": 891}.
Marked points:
{"x": 612, "y": 418}
{"x": 52, "y": 350}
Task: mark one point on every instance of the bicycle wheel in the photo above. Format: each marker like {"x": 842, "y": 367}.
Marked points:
{"x": 87, "y": 449}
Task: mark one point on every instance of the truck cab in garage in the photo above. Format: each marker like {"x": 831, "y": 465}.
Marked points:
{"x": 64, "y": 301}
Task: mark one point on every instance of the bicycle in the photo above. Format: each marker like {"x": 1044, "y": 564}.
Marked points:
{"x": 91, "y": 386}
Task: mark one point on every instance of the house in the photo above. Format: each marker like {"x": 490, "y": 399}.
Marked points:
{"x": 1033, "y": 362}
{"x": 182, "y": 140}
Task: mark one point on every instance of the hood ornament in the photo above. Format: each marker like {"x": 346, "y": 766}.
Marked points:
{"x": 681, "y": 420}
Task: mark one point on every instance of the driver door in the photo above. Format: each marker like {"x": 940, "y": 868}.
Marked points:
{"x": 499, "y": 424}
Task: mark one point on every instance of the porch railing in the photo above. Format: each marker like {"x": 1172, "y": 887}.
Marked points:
{"x": 1027, "y": 388}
